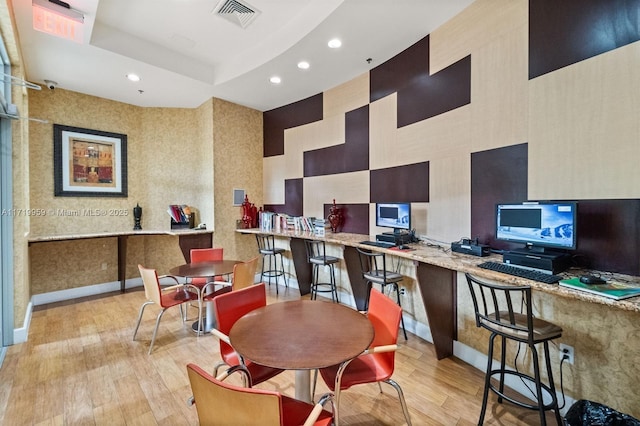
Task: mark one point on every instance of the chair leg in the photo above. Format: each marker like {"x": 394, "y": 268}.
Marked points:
{"x": 144, "y": 305}
{"x": 487, "y": 380}
{"x": 284, "y": 276}
{"x": 404, "y": 331}
{"x": 403, "y": 403}
{"x": 314, "y": 281}
{"x": 552, "y": 386}
{"x": 334, "y": 286}
{"x": 503, "y": 356}
{"x": 155, "y": 330}
{"x": 536, "y": 376}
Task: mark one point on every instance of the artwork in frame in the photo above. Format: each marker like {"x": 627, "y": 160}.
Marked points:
{"x": 89, "y": 163}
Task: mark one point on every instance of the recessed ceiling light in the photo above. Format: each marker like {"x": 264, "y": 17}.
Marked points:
{"x": 275, "y": 79}
{"x": 133, "y": 77}
{"x": 303, "y": 65}
{"x": 334, "y": 43}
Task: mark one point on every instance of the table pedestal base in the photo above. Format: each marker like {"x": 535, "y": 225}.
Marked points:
{"x": 303, "y": 386}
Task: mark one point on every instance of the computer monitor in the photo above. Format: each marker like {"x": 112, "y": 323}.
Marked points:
{"x": 538, "y": 224}
{"x": 394, "y": 215}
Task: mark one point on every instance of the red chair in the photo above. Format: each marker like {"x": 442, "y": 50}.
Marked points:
{"x": 165, "y": 297}
{"x": 206, "y": 255}
{"x": 220, "y": 403}
{"x": 229, "y": 307}
{"x": 376, "y": 364}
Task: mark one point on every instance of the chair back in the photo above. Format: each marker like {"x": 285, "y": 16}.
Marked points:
{"x": 229, "y": 307}
{"x": 315, "y": 249}
{"x": 244, "y": 274}
{"x": 503, "y": 309}
{"x": 384, "y": 314}
{"x": 266, "y": 243}
{"x": 151, "y": 284}
{"x": 205, "y": 255}
{"x": 220, "y": 403}
{"x": 373, "y": 265}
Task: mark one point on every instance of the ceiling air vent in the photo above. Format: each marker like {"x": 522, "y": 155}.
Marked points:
{"x": 238, "y": 12}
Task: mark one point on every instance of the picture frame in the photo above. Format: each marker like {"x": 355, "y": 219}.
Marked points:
{"x": 89, "y": 163}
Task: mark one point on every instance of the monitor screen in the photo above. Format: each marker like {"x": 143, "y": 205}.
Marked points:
{"x": 543, "y": 224}
{"x": 393, "y": 215}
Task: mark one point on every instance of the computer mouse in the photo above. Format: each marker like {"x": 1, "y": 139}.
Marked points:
{"x": 403, "y": 247}
{"x": 591, "y": 279}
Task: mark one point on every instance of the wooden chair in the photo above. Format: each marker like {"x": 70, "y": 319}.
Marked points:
{"x": 244, "y": 275}
{"x": 377, "y": 363}
{"x": 221, "y": 404}
{"x": 494, "y": 307}
{"x": 229, "y": 307}
{"x": 165, "y": 298}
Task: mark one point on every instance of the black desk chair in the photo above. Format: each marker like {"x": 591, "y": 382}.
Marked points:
{"x": 494, "y": 311}
{"x": 373, "y": 265}
{"x": 269, "y": 252}
{"x": 317, "y": 257}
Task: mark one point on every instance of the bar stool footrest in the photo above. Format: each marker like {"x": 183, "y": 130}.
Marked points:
{"x": 553, "y": 405}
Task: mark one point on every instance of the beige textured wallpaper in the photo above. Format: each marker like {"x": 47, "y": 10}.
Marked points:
{"x": 172, "y": 157}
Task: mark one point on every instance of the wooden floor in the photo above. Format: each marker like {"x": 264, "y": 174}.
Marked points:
{"x": 80, "y": 366}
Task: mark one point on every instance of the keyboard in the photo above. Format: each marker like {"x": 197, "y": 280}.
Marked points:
{"x": 521, "y": 272}
{"x": 383, "y": 244}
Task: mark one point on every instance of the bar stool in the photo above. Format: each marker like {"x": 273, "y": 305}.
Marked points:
{"x": 269, "y": 251}
{"x": 317, "y": 257}
{"x": 373, "y": 265}
{"x": 494, "y": 311}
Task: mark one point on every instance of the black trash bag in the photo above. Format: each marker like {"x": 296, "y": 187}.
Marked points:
{"x": 588, "y": 413}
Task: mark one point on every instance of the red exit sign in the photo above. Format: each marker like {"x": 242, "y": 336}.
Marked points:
{"x": 57, "y": 25}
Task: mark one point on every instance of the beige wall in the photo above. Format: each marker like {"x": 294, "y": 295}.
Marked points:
{"x": 237, "y": 151}
{"x": 171, "y": 155}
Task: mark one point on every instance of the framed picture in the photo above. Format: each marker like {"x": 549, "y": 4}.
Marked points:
{"x": 89, "y": 163}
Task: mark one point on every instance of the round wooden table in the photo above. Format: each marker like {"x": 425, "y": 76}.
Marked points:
{"x": 203, "y": 270}
{"x": 301, "y": 335}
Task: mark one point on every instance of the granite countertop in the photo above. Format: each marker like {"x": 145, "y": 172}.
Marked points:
{"x": 104, "y": 234}
{"x": 442, "y": 256}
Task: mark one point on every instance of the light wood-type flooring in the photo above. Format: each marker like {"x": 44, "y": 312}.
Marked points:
{"x": 80, "y": 366}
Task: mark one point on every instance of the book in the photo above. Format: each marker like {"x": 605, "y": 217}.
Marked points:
{"x": 612, "y": 290}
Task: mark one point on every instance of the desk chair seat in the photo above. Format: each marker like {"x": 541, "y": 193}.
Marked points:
{"x": 494, "y": 307}
{"x": 220, "y": 403}
{"x": 373, "y": 266}
{"x": 317, "y": 257}
{"x": 270, "y": 253}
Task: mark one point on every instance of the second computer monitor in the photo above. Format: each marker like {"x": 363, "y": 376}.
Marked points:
{"x": 394, "y": 215}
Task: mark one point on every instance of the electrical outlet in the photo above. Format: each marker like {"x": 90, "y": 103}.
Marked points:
{"x": 104, "y": 266}
{"x": 566, "y": 350}
{"x": 403, "y": 291}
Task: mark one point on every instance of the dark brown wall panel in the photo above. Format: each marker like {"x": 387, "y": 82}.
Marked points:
{"x": 277, "y": 120}
{"x": 564, "y": 32}
{"x": 398, "y": 72}
{"x": 497, "y": 176}
{"x": 352, "y": 156}
{"x": 356, "y": 217}
{"x": 293, "y": 196}
{"x": 420, "y": 95}
{"x": 608, "y": 234}
{"x": 408, "y": 183}
{"x": 429, "y": 96}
